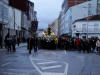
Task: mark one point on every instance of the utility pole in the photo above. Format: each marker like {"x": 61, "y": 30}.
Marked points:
{"x": 2, "y": 23}
{"x": 89, "y": 14}
{"x": 14, "y": 19}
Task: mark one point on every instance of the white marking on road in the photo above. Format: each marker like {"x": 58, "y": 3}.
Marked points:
{"x": 9, "y": 73}
{"x": 66, "y": 69}
{"x": 6, "y": 64}
{"x": 51, "y": 67}
{"x": 19, "y": 69}
{"x": 13, "y": 69}
{"x": 36, "y": 66}
{"x": 25, "y": 71}
{"x": 48, "y": 73}
{"x": 65, "y": 52}
{"x": 42, "y": 59}
{"x": 46, "y": 63}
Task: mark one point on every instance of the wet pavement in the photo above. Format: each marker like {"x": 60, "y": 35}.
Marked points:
{"x": 48, "y": 62}
{"x": 52, "y": 62}
{"x": 17, "y": 63}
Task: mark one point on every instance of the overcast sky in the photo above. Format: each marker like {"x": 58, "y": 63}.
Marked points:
{"x": 47, "y": 11}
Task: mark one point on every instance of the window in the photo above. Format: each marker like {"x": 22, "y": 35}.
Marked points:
{"x": 5, "y": 13}
{"x": 98, "y": 1}
{"x": 0, "y": 11}
{"x": 84, "y": 28}
{"x": 96, "y": 28}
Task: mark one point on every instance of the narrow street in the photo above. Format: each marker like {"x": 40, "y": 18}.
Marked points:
{"x": 49, "y": 37}
{"x": 48, "y": 62}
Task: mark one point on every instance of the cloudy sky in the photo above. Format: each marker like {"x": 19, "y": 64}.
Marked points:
{"x": 47, "y": 11}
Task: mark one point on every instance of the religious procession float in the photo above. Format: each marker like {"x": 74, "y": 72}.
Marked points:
{"x": 48, "y": 41}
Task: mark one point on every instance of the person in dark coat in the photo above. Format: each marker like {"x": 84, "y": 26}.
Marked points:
{"x": 67, "y": 44}
{"x": 14, "y": 44}
{"x": 9, "y": 42}
{"x": 35, "y": 44}
{"x": 5, "y": 42}
{"x": 30, "y": 44}
{"x": 18, "y": 41}
{"x": 85, "y": 45}
{"x": 0, "y": 41}
{"x": 89, "y": 46}
{"x": 59, "y": 43}
{"x": 93, "y": 44}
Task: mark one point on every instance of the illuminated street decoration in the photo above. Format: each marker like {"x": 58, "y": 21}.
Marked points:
{"x": 49, "y": 35}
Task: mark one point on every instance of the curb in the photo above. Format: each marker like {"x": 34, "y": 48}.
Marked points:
{"x": 3, "y": 49}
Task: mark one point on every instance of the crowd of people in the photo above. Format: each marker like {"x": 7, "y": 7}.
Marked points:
{"x": 85, "y": 45}
{"x": 62, "y": 43}
{"x": 10, "y": 42}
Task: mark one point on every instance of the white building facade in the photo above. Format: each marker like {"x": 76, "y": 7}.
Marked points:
{"x": 76, "y": 12}
{"x": 14, "y": 22}
{"x": 3, "y": 18}
{"x": 84, "y": 28}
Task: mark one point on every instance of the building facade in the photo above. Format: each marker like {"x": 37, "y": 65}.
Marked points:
{"x": 17, "y": 18}
{"x": 54, "y": 27}
{"x": 83, "y": 28}
{"x": 14, "y": 22}
{"x": 73, "y": 10}
{"x": 3, "y": 18}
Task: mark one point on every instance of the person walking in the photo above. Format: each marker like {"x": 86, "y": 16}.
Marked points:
{"x": 93, "y": 44}
{"x": 9, "y": 42}
{"x": 88, "y": 47}
{"x": 30, "y": 44}
{"x": 14, "y": 44}
{"x": 85, "y": 45}
{"x": 0, "y": 41}
{"x": 5, "y": 42}
{"x": 67, "y": 44}
{"x": 56, "y": 42}
{"x": 35, "y": 44}
{"x": 18, "y": 41}
{"x": 78, "y": 43}
{"x": 98, "y": 45}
